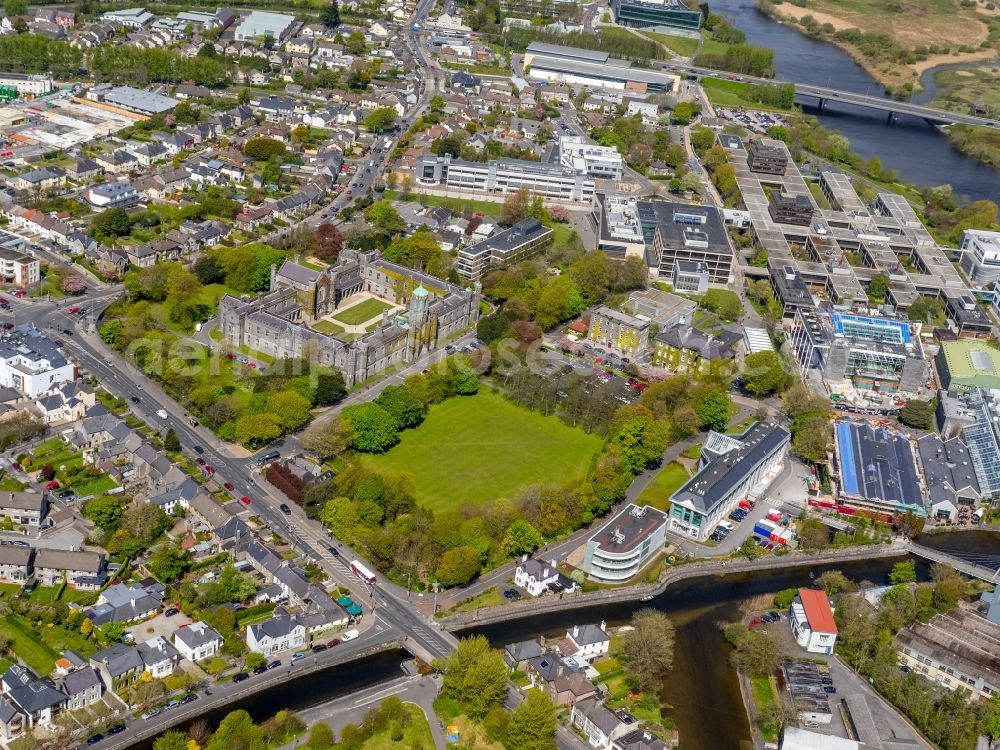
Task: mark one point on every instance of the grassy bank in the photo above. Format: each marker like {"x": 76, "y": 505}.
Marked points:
{"x": 682, "y": 45}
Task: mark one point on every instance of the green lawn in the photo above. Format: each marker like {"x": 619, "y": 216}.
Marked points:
{"x": 489, "y": 208}
{"x": 28, "y": 647}
{"x": 56, "y": 453}
{"x": 327, "y": 326}
{"x": 93, "y": 486}
{"x": 682, "y": 45}
{"x": 664, "y": 484}
{"x": 763, "y": 696}
{"x": 725, "y": 93}
{"x": 416, "y": 734}
{"x": 362, "y": 312}
{"x": 481, "y": 448}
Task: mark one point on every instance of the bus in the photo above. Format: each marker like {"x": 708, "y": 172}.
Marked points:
{"x": 362, "y": 572}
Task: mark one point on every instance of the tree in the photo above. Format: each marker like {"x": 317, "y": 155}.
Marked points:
{"x": 713, "y": 411}
{"x": 515, "y": 206}
{"x": 264, "y": 149}
{"x": 533, "y": 723}
{"x": 834, "y": 582}
{"x": 560, "y": 300}
{"x": 374, "y": 428}
{"x": 878, "y": 287}
{"x": 327, "y": 438}
{"x": 331, "y": 15}
{"x": 385, "y": 217}
{"x": 403, "y": 405}
{"x": 207, "y": 271}
{"x": 320, "y": 737}
{"x": 171, "y": 740}
{"x": 813, "y": 534}
{"x": 293, "y": 409}
{"x": 230, "y": 586}
{"x": 110, "y": 224}
{"x": 328, "y": 242}
{"x": 724, "y": 303}
{"x": 919, "y": 414}
{"x": 257, "y": 429}
{"x": 903, "y": 572}
{"x": 813, "y": 439}
{"x": 459, "y": 565}
{"x": 104, "y": 511}
{"x": 750, "y": 549}
{"x": 492, "y": 327}
{"x": 949, "y": 587}
{"x": 169, "y": 562}
{"x": 683, "y": 113}
{"x": 764, "y": 374}
{"x": 757, "y": 653}
{"x": 330, "y": 388}
{"x": 380, "y": 119}
{"x": 237, "y": 731}
{"x": 475, "y": 675}
{"x": 171, "y": 442}
{"x": 520, "y": 537}
{"x": 73, "y": 284}
{"x": 254, "y": 660}
{"x": 648, "y": 649}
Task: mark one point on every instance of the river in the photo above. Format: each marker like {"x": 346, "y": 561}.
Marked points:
{"x": 701, "y": 688}
{"x": 917, "y": 151}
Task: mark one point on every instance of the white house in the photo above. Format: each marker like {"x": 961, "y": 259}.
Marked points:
{"x": 812, "y": 623}
{"x": 278, "y": 634}
{"x": 197, "y": 641}
{"x": 600, "y": 725}
{"x": 537, "y": 576}
{"x": 590, "y": 641}
{"x": 33, "y": 364}
{"x": 159, "y": 656}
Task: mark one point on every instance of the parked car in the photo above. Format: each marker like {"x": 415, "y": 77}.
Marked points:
{"x": 274, "y": 664}
{"x": 261, "y": 669}
{"x": 285, "y": 509}
{"x": 53, "y": 485}
{"x": 170, "y": 611}
{"x": 245, "y": 500}
{"x": 189, "y": 698}
{"x": 240, "y": 677}
{"x": 229, "y": 486}
{"x": 319, "y": 647}
{"x": 151, "y": 713}
{"x": 334, "y": 642}
{"x": 511, "y": 595}
{"x": 298, "y": 655}
{"x": 116, "y": 728}
{"x": 94, "y": 739}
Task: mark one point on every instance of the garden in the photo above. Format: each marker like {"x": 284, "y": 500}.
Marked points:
{"x": 55, "y": 459}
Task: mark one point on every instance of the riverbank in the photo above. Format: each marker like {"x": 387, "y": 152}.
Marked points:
{"x": 917, "y": 42}
{"x": 670, "y": 577}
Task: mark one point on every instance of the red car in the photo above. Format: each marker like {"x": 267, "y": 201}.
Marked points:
{"x": 17, "y": 467}
{"x": 334, "y": 642}
{"x": 245, "y": 500}
{"x": 252, "y": 365}
{"x": 53, "y": 485}
{"x": 20, "y": 293}
{"x": 229, "y": 486}
{"x": 73, "y": 310}
{"x": 209, "y": 469}
{"x": 200, "y": 461}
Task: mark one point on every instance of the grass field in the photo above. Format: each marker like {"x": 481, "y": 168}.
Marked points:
{"x": 417, "y": 733}
{"x": 489, "y": 208}
{"x": 682, "y": 45}
{"x": 56, "y": 453}
{"x": 361, "y": 312}
{"x": 763, "y": 696}
{"x": 664, "y": 484}
{"x": 327, "y": 326}
{"x": 27, "y": 646}
{"x": 481, "y": 448}
{"x": 725, "y": 93}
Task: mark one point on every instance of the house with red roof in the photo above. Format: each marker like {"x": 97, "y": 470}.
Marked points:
{"x": 811, "y": 618}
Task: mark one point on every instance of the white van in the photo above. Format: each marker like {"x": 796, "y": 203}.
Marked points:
{"x": 161, "y": 413}
{"x": 349, "y": 635}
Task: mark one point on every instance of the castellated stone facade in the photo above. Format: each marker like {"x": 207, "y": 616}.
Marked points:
{"x": 277, "y": 322}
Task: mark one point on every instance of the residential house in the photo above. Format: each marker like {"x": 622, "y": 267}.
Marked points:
{"x": 811, "y": 620}
{"x": 565, "y": 684}
{"x": 127, "y": 603}
{"x": 119, "y": 666}
{"x": 599, "y": 724}
{"x": 197, "y": 641}
{"x": 159, "y": 657}
{"x": 39, "y": 180}
{"x": 35, "y": 697}
{"x": 112, "y": 195}
{"x": 82, "y": 687}
{"x": 15, "y": 563}
{"x": 141, "y": 256}
{"x": 24, "y": 508}
{"x": 516, "y": 655}
{"x": 251, "y": 218}
{"x": 12, "y": 721}
{"x": 280, "y": 633}
{"x": 536, "y": 577}
{"x": 117, "y": 162}
{"x": 588, "y": 642}
{"x": 80, "y": 569}
{"x": 65, "y": 402}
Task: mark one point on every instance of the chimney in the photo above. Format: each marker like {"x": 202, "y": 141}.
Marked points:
{"x": 576, "y": 631}
{"x": 604, "y": 626}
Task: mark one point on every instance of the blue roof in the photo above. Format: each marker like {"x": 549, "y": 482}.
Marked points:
{"x": 901, "y": 327}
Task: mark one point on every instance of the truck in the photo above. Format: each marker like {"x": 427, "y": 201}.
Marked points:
{"x": 764, "y": 528}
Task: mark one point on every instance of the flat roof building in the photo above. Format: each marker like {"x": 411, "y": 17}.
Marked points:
{"x": 877, "y": 469}
{"x": 743, "y": 469}
{"x": 27, "y": 83}
{"x": 691, "y": 233}
{"x": 981, "y": 436}
{"x": 768, "y": 155}
{"x": 968, "y": 363}
{"x": 134, "y": 100}
{"x": 647, "y": 14}
{"x": 553, "y": 62}
{"x": 690, "y": 276}
{"x": 505, "y": 176}
{"x": 258, "y": 23}
{"x": 520, "y": 241}
{"x": 597, "y": 161}
{"x": 619, "y": 230}
{"x": 625, "y": 544}
{"x": 980, "y": 257}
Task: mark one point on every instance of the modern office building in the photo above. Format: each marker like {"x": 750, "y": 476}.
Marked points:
{"x": 618, "y": 227}
{"x": 26, "y": 83}
{"x": 791, "y": 209}
{"x": 867, "y": 352}
{"x": 966, "y": 364}
{"x": 622, "y": 333}
{"x": 877, "y": 469}
{"x": 505, "y": 176}
{"x": 690, "y": 277}
{"x": 647, "y": 14}
{"x": 258, "y": 23}
{"x": 958, "y": 649}
{"x": 790, "y": 289}
{"x": 602, "y": 162}
{"x": 981, "y": 435}
{"x": 625, "y": 544}
{"x": 18, "y": 268}
{"x": 552, "y": 62}
{"x": 520, "y": 241}
{"x": 980, "y": 257}
{"x": 730, "y": 469}
{"x": 691, "y": 233}
{"x": 768, "y": 156}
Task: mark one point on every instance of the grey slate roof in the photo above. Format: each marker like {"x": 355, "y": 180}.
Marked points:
{"x": 196, "y": 634}
{"x": 588, "y": 634}
{"x": 119, "y": 659}
{"x": 80, "y": 681}
{"x": 29, "y": 692}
